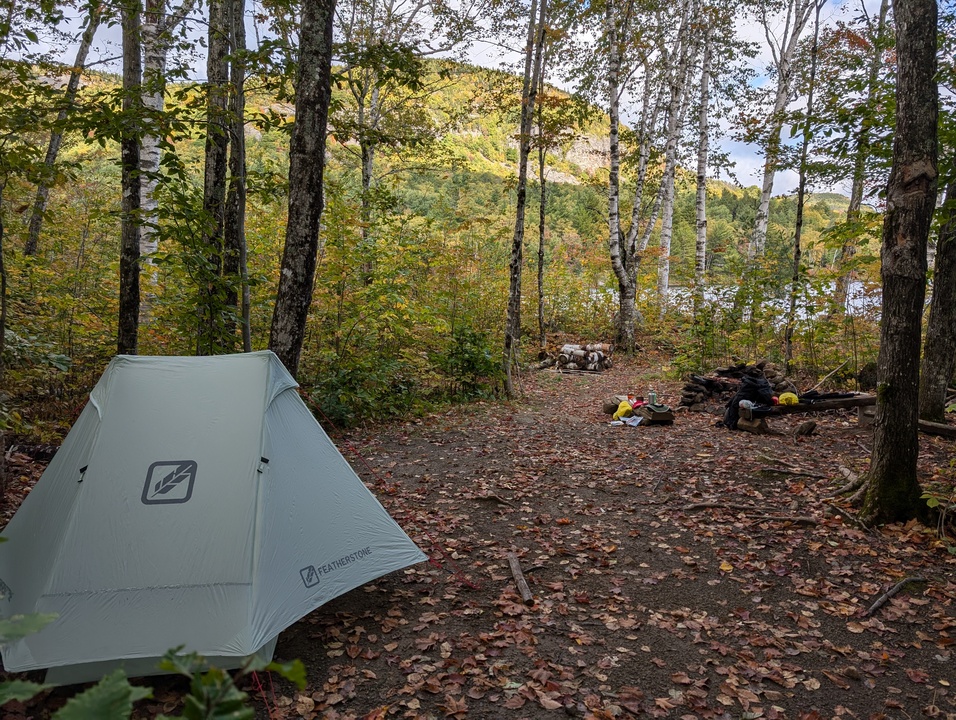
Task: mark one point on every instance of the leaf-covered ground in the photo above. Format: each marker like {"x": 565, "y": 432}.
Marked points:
{"x": 680, "y": 571}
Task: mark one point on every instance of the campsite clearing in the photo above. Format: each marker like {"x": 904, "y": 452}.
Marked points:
{"x": 677, "y": 571}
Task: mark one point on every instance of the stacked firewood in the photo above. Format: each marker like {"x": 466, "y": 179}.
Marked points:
{"x": 594, "y": 357}
{"x": 717, "y": 387}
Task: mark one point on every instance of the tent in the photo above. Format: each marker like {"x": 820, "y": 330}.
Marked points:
{"x": 195, "y": 502}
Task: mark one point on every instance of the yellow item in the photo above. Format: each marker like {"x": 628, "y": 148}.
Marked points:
{"x": 623, "y": 410}
{"x": 788, "y": 398}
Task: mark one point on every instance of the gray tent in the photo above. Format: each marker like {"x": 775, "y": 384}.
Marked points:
{"x": 195, "y": 502}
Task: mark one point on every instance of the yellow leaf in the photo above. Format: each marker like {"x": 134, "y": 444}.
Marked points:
{"x": 726, "y": 566}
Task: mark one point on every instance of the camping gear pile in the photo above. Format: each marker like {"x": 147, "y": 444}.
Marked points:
{"x": 196, "y": 502}
{"x": 634, "y": 410}
{"x": 709, "y": 392}
{"x": 594, "y": 357}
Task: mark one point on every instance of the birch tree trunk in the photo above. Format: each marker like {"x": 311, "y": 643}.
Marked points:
{"x": 801, "y": 199}
{"x": 627, "y": 284}
{"x": 798, "y": 14}
{"x": 703, "y": 148}
{"x": 56, "y": 137}
{"x": 528, "y": 94}
{"x": 939, "y": 356}
{"x": 894, "y": 492}
{"x": 158, "y": 27}
{"x": 675, "y": 117}
{"x": 306, "y": 170}
{"x": 861, "y": 156}
{"x": 128, "y": 317}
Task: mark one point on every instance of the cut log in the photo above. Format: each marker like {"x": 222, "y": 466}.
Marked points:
{"x": 858, "y": 401}
{"x": 941, "y": 429}
{"x": 930, "y": 428}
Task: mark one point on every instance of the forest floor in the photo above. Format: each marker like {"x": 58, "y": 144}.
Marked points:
{"x": 682, "y": 571}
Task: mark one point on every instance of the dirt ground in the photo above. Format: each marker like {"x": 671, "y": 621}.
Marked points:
{"x": 682, "y": 571}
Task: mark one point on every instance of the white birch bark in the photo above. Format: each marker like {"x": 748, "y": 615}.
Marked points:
{"x": 676, "y": 111}
{"x": 703, "y": 148}
{"x": 783, "y": 50}
{"x": 158, "y": 26}
{"x": 627, "y": 287}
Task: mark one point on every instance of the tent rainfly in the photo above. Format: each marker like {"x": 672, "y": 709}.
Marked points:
{"x": 196, "y": 502}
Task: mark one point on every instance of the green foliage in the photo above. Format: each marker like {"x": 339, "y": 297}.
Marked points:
{"x": 19, "y": 626}
{"x": 111, "y": 698}
{"x": 19, "y": 690}
{"x": 213, "y": 694}
{"x": 469, "y": 364}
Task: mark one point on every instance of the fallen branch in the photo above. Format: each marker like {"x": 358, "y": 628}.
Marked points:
{"x": 522, "y": 584}
{"x": 724, "y": 506}
{"x": 749, "y": 510}
{"x": 777, "y": 461}
{"x": 496, "y": 498}
{"x": 800, "y": 473}
{"x": 829, "y": 375}
{"x": 799, "y": 520}
{"x": 884, "y": 598}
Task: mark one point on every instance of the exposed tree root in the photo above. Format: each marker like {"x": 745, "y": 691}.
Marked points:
{"x": 854, "y": 482}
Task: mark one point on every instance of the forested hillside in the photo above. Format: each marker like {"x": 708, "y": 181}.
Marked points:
{"x": 406, "y": 305}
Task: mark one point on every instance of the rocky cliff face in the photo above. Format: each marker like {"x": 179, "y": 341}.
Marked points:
{"x": 590, "y": 153}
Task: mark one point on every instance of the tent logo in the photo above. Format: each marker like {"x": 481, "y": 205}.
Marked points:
{"x": 169, "y": 482}
{"x": 309, "y": 576}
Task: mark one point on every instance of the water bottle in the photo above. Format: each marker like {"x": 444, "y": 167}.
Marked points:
{"x": 652, "y": 397}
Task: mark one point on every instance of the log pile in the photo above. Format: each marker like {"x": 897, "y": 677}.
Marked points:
{"x": 714, "y": 390}
{"x": 594, "y": 357}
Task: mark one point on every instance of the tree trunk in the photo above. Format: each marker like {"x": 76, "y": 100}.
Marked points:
{"x": 306, "y": 170}
{"x": 56, "y": 137}
{"x": 798, "y": 13}
{"x": 528, "y": 95}
{"x": 939, "y": 357}
{"x": 542, "y": 215}
{"x": 627, "y": 286}
{"x": 236, "y": 263}
{"x": 128, "y": 321}
{"x": 894, "y": 492}
{"x": 703, "y": 144}
{"x": 213, "y": 334}
{"x": 675, "y": 118}
{"x": 801, "y": 201}
{"x": 862, "y": 155}
{"x": 158, "y": 26}
{"x": 3, "y": 295}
